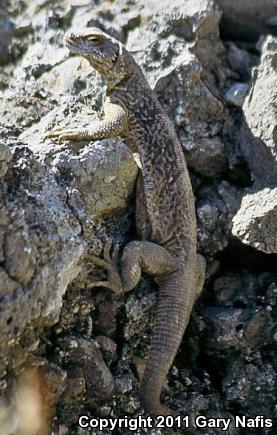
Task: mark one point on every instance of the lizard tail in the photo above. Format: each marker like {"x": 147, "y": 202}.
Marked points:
{"x": 174, "y": 308}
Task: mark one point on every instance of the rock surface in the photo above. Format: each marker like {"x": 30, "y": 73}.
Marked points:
{"x": 263, "y": 97}
{"x": 248, "y": 19}
{"x": 237, "y": 94}
{"x": 255, "y": 222}
{"x": 59, "y": 202}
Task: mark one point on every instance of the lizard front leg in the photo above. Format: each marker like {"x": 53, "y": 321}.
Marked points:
{"x": 113, "y": 124}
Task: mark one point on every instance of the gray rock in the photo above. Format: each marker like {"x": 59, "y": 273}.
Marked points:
{"x": 255, "y": 223}
{"x": 138, "y": 311}
{"x": 215, "y": 209}
{"x": 42, "y": 207}
{"x": 241, "y": 316}
{"x": 206, "y": 157}
{"x": 5, "y": 157}
{"x": 84, "y": 360}
{"x": 240, "y": 321}
{"x": 246, "y": 386}
{"x": 27, "y": 104}
{"x": 262, "y": 97}
{"x": 241, "y": 60}
{"x": 107, "y": 314}
{"x": 237, "y": 94}
{"x": 108, "y": 348}
{"x": 34, "y": 293}
{"x": 13, "y": 38}
{"x": 224, "y": 328}
{"x": 248, "y": 19}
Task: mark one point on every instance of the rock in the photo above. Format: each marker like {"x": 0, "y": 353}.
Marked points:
{"x": 224, "y": 327}
{"x": 40, "y": 206}
{"x": 207, "y": 157}
{"x": 237, "y": 94}
{"x": 241, "y": 60}
{"x": 124, "y": 384}
{"x": 255, "y": 223}
{"x": 241, "y": 315}
{"x": 8, "y": 285}
{"x": 138, "y": 311}
{"x": 235, "y": 328}
{"x": 58, "y": 213}
{"x": 192, "y": 112}
{"x": 107, "y": 313}
{"x": 76, "y": 312}
{"x": 84, "y": 360}
{"x": 109, "y": 167}
{"x": 263, "y": 97}
{"x": 108, "y": 348}
{"x": 215, "y": 208}
{"x": 240, "y": 321}
{"x": 248, "y": 19}
{"x": 13, "y": 37}
{"x": 248, "y": 387}
{"x": 27, "y": 106}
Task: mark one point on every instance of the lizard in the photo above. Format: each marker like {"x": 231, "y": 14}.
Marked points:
{"x": 165, "y": 211}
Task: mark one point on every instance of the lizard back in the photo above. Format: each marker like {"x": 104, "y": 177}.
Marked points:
{"x": 164, "y": 199}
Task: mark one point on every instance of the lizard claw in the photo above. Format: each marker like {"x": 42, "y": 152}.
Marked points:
{"x": 109, "y": 263}
{"x": 111, "y": 258}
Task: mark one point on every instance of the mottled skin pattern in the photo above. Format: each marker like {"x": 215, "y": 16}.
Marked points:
{"x": 165, "y": 214}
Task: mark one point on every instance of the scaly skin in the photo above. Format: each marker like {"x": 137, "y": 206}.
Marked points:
{"x": 165, "y": 215}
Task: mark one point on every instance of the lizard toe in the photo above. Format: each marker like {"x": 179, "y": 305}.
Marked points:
{"x": 113, "y": 281}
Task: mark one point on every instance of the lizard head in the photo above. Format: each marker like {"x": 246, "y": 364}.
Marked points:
{"x": 107, "y": 55}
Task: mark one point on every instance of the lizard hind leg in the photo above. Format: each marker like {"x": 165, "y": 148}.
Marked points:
{"x": 151, "y": 258}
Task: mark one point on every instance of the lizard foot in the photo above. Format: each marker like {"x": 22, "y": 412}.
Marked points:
{"x": 109, "y": 262}
{"x": 61, "y": 135}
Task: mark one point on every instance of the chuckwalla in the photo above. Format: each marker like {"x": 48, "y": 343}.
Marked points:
{"x": 165, "y": 211}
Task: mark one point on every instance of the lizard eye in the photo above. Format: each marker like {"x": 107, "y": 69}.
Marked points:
{"x": 93, "y": 38}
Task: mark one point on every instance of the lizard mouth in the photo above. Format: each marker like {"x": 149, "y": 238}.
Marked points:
{"x": 71, "y": 45}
